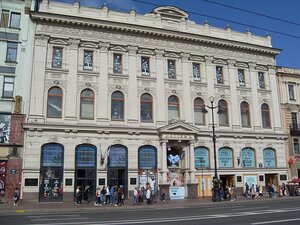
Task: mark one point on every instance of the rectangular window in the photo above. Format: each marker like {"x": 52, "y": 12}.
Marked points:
{"x": 117, "y": 63}
{"x": 296, "y": 146}
{"x": 294, "y": 120}
{"x": 291, "y": 91}
{"x": 241, "y": 76}
{"x": 261, "y": 80}
{"x": 32, "y": 182}
{"x": 282, "y": 177}
{"x": 88, "y": 60}
{"x": 15, "y": 20}
{"x": 4, "y": 18}
{"x": 8, "y": 87}
{"x": 57, "y": 57}
{"x": 11, "y": 53}
{"x": 145, "y": 66}
{"x": 171, "y": 69}
{"x": 219, "y": 74}
{"x": 196, "y": 71}
{"x": 261, "y": 178}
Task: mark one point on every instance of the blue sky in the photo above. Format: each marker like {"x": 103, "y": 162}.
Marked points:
{"x": 287, "y": 10}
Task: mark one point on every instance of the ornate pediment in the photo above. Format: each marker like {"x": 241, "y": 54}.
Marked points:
{"x": 170, "y": 13}
{"x": 178, "y": 130}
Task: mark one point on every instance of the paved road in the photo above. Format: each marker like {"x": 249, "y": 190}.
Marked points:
{"x": 256, "y": 212}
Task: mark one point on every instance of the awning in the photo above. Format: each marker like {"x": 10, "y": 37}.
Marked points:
{"x": 294, "y": 181}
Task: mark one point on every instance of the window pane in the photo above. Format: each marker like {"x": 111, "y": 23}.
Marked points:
{"x": 171, "y": 69}
{"x": 15, "y": 20}
{"x": 8, "y": 88}
{"x": 291, "y": 92}
{"x": 201, "y": 157}
{"x": 4, "y": 18}
{"x": 196, "y": 71}
{"x": 57, "y": 57}
{"x": 117, "y": 156}
{"x": 11, "y": 54}
{"x": 88, "y": 60}
{"x": 173, "y": 108}
{"x": 223, "y": 114}
{"x": 198, "y": 107}
{"x": 225, "y": 157}
{"x": 247, "y": 157}
{"x": 265, "y": 113}
{"x": 146, "y": 107}
{"x": 245, "y": 115}
{"x": 117, "y": 106}
{"x": 145, "y": 66}
{"x": 117, "y": 63}
{"x": 54, "y": 106}
{"x": 296, "y": 146}
{"x": 52, "y": 155}
{"x": 87, "y": 104}
{"x": 86, "y": 156}
{"x": 261, "y": 80}
{"x": 241, "y": 76}
{"x": 219, "y": 74}
{"x": 269, "y": 158}
{"x": 147, "y": 158}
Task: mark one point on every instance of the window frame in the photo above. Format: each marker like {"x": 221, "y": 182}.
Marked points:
{"x": 266, "y": 124}
{"x": 197, "y": 157}
{"x": 173, "y": 104}
{"x": 12, "y": 47}
{"x": 199, "y": 108}
{"x": 8, "y": 83}
{"x": 170, "y": 61}
{"x": 220, "y": 157}
{"x": 245, "y": 111}
{"x": 145, "y": 74}
{"x": 198, "y": 66}
{"x": 291, "y": 91}
{"x": 57, "y": 96}
{"x": 265, "y": 159}
{"x": 242, "y": 83}
{"x": 221, "y": 80}
{"x": 296, "y": 141}
{"x": 61, "y": 49}
{"x": 87, "y": 99}
{"x": 147, "y": 148}
{"x": 224, "y": 110}
{"x": 149, "y": 103}
{"x": 122, "y": 103}
{"x": 92, "y": 59}
{"x": 121, "y": 62}
{"x": 261, "y": 80}
{"x": 11, "y": 19}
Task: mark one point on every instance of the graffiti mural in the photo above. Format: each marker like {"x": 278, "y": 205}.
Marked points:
{"x": 4, "y": 128}
{"x": 2, "y": 177}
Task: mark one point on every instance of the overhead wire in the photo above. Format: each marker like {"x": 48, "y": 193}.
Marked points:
{"x": 230, "y": 21}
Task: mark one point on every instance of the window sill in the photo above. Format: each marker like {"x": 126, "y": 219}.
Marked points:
{"x": 7, "y": 98}
{"x": 146, "y": 121}
{"x": 118, "y": 120}
{"x": 11, "y": 62}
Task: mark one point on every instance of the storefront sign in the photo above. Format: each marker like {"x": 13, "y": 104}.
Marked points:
{"x": 177, "y": 192}
{"x": 178, "y": 137}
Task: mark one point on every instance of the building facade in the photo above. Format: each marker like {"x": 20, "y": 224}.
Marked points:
{"x": 288, "y": 80}
{"x": 119, "y": 99}
{"x": 15, "y": 71}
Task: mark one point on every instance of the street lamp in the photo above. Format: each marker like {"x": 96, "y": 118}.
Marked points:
{"x": 216, "y": 196}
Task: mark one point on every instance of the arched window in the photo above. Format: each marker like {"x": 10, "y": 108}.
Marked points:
{"x": 265, "y": 115}
{"x": 146, "y": 107}
{"x": 223, "y": 113}
{"x": 198, "y": 107}
{"x": 86, "y": 156}
{"x": 173, "y": 107}
{"x": 269, "y": 157}
{"x": 245, "y": 114}
{"x": 52, "y": 162}
{"x": 147, "y": 157}
{"x": 118, "y": 156}
{"x": 201, "y": 157}
{"x": 225, "y": 157}
{"x": 117, "y": 106}
{"x": 54, "y": 103}
{"x": 87, "y": 104}
{"x": 248, "y": 157}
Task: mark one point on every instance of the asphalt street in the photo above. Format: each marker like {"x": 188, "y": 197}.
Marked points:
{"x": 250, "y": 212}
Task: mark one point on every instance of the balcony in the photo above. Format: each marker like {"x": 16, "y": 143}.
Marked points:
{"x": 295, "y": 129}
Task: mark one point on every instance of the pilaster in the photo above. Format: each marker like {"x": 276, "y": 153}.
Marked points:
{"x": 186, "y": 87}
{"x": 161, "y": 104}
{"x": 256, "y": 106}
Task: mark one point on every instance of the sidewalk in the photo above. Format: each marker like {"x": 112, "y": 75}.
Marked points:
{"x": 33, "y": 207}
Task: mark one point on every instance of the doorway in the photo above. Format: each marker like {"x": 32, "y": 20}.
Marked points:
{"x": 272, "y": 179}
{"x": 227, "y": 180}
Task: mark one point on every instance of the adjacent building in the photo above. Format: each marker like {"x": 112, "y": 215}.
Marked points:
{"x": 120, "y": 99}
{"x": 15, "y": 72}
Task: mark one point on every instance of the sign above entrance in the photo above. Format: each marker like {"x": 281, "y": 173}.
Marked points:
{"x": 178, "y": 136}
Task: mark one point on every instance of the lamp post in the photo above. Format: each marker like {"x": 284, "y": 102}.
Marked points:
{"x": 216, "y": 196}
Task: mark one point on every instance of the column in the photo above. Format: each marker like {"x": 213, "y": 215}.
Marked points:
{"x": 234, "y": 96}
{"x": 71, "y": 91}
{"x": 187, "y": 165}
{"x": 256, "y": 105}
{"x": 164, "y": 162}
{"x": 210, "y": 77}
{"x": 103, "y": 97}
{"x": 275, "y": 99}
{"x": 187, "y": 103}
{"x": 192, "y": 161}
{"x": 38, "y": 78}
{"x": 160, "y": 85}
{"x": 132, "y": 105}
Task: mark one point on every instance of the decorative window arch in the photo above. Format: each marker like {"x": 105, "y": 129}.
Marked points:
{"x": 198, "y": 114}
{"x": 87, "y": 104}
{"x": 86, "y": 156}
{"x": 248, "y": 157}
{"x": 54, "y": 102}
{"x": 117, "y": 106}
{"x": 146, "y": 107}
{"x": 223, "y": 115}
{"x": 245, "y": 114}
{"x": 265, "y": 114}
{"x": 269, "y": 157}
{"x": 173, "y": 107}
{"x": 201, "y": 157}
{"x": 225, "y": 157}
{"x": 147, "y": 157}
{"x": 117, "y": 156}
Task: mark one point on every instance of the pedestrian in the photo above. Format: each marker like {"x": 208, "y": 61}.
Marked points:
{"x": 246, "y": 194}
{"x": 86, "y": 193}
{"x": 116, "y": 196}
{"x": 256, "y": 191}
{"x": 135, "y": 196}
{"x": 252, "y": 191}
{"x": 78, "y": 195}
{"x": 120, "y": 196}
{"x": 103, "y": 194}
{"x": 283, "y": 189}
{"x": 148, "y": 195}
{"x": 111, "y": 193}
{"x": 163, "y": 195}
{"x": 16, "y": 196}
{"x": 107, "y": 195}
{"x": 98, "y": 196}
{"x": 260, "y": 195}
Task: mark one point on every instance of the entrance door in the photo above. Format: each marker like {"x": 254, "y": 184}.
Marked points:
{"x": 227, "y": 180}
{"x": 272, "y": 179}
{"x": 118, "y": 168}
{"x": 204, "y": 185}
{"x": 85, "y": 170}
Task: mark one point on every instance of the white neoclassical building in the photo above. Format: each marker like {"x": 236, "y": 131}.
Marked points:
{"x": 119, "y": 98}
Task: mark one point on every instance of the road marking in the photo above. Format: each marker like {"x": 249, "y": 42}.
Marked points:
{"x": 71, "y": 218}
{"x": 265, "y": 207}
{"x": 20, "y": 211}
{"x": 58, "y": 215}
{"x": 276, "y": 221}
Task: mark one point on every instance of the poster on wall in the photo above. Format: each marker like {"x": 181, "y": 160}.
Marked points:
{"x": 4, "y": 128}
{"x": 250, "y": 180}
{"x": 2, "y": 177}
